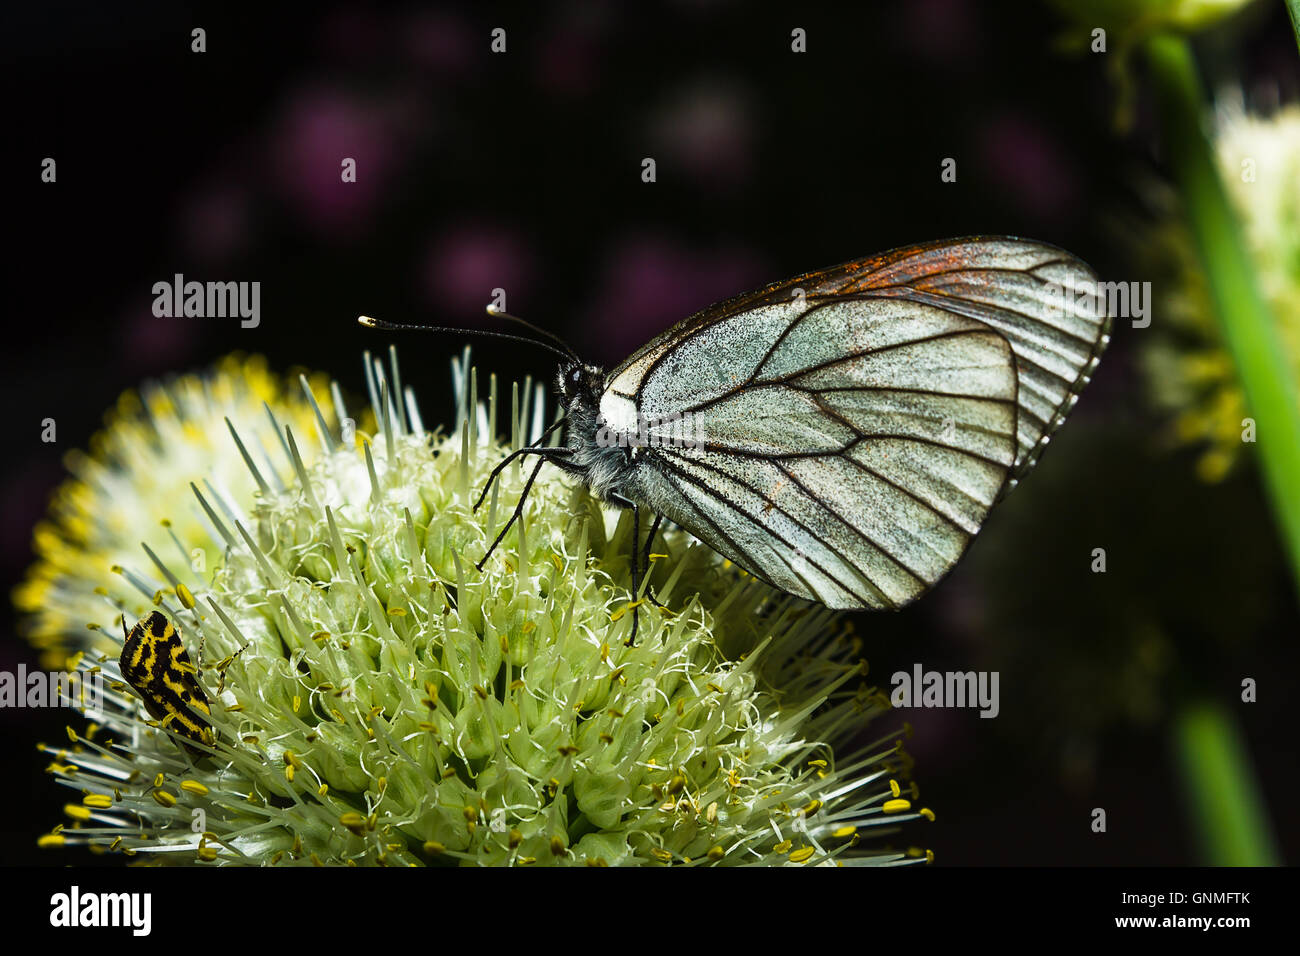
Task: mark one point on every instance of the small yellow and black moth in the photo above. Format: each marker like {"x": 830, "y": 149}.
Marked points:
{"x": 155, "y": 663}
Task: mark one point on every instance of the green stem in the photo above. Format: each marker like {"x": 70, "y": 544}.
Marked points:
{"x": 1248, "y": 326}
{"x": 1223, "y": 797}
{"x": 1293, "y": 8}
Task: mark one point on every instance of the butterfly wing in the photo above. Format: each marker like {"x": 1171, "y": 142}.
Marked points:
{"x": 1028, "y": 291}
{"x": 846, "y": 445}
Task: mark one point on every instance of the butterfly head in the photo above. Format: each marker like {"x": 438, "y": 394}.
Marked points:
{"x": 576, "y": 381}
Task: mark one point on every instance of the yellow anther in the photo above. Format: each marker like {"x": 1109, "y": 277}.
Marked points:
{"x": 434, "y": 848}
{"x": 716, "y": 853}
{"x": 557, "y": 846}
{"x": 803, "y": 854}
{"x": 515, "y": 838}
{"x": 207, "y": 853}
{"x": 676, "y": 784}
{"x": 193, "y": 786}
{"x": 783, "y": 846}
{"x": 927, "y": 813}
{"x": 186, "y": 598}
{"x": 812, "y": 807}
{"x": 896, "y": 806}
{"x": 711, "y": 813}
{"x": 353, "y": 821}
{"x": 894, "y": 788}
{"x": 50, "y": 841}
{"x": 100, "y": 801}
{"x": 164, "y": 798}
{"x": 76, "y": 812}
{"x": 843, "y": 833}
{"x": 663, "y": 856}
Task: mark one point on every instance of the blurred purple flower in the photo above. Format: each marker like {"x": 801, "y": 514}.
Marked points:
{"x": 467, "y": 263}
{"x": 313, "y": 135}
{"x": 650, "y": 283}
{"x": 1033, "y": 170}
{"x": 443, "y": 42}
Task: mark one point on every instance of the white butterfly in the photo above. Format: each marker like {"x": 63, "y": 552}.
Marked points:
{"x": 843, "y": 435}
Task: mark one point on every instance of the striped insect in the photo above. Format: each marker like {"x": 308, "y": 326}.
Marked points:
{"x": 154, "y": 662}
{"x": 841, "y": 435}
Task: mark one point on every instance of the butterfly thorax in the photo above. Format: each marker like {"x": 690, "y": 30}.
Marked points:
{"x": 604, "y": 453}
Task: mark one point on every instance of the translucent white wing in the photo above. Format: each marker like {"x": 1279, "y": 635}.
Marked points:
{"x": 1028, "y": 291}
{"x": 859, "y": 458}
{"x": 851, "y": 444}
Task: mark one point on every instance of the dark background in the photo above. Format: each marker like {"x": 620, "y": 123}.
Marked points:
{"x": 522, "y": 171}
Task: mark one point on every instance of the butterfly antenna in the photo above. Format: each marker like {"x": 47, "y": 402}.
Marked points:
{"x": 370, "y": 323}
{"x": 539, "y": 330}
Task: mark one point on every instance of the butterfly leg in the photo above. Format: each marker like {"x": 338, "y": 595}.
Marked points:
{"x": 544, "y": 450}
{"x": 519, "y": 508}
{"x": 623, "y": 502}
{"x": 649, "y": 546}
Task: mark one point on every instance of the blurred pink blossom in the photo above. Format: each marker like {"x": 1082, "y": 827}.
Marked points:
{"x": 466, "y": 263}
{"x": 315, "y": 132}
{"x": 443, "y": 41}
{"x": 650, "y": 283}
{"x": 1017, "y": 154}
